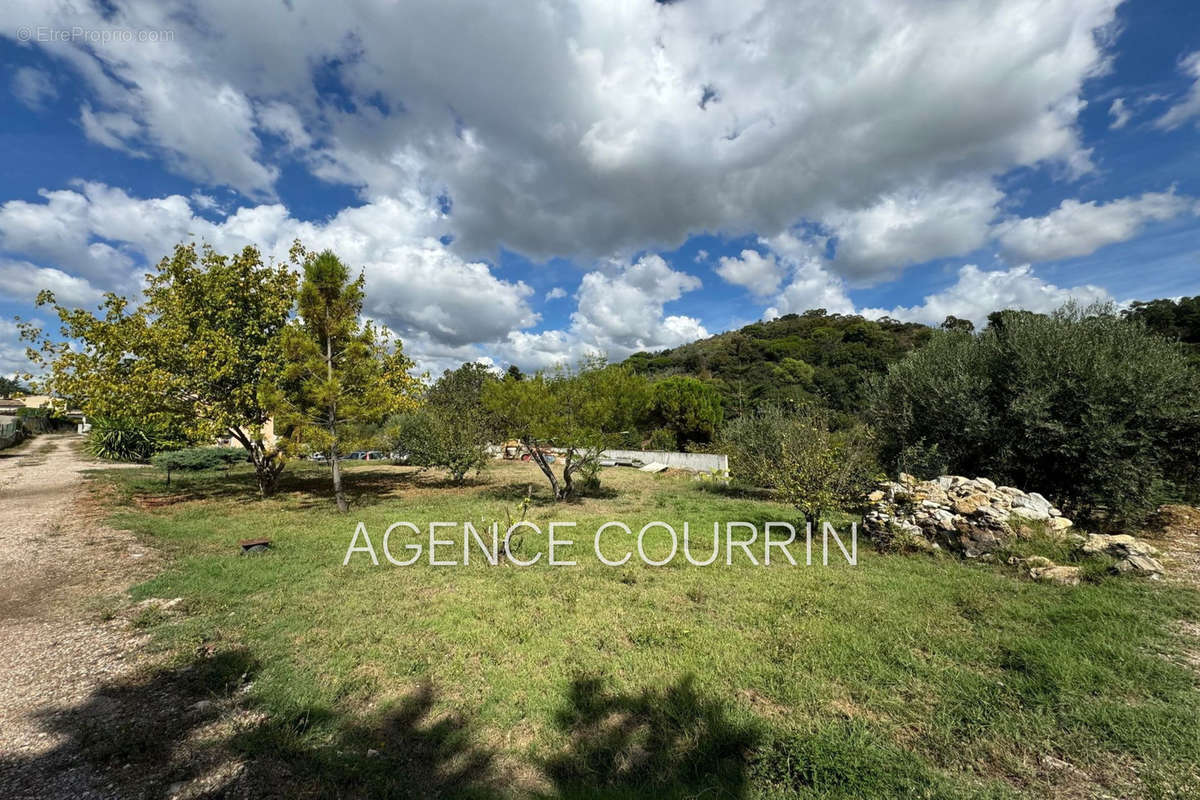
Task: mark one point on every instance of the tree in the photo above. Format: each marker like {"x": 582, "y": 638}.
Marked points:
{"x": 11, "y": 386}
{"x": 453, "y": 429}
{"x": 580, "y": 412}
{"x": 196, "y": 459}
{"x": 339, "y": 372}
{"x": 194, "y": 356}
{"x": 798, "y": 456}
{"x": 687, "y": 406}
{"x": 956, "y": 325}
{"x": 1094, "y": 411}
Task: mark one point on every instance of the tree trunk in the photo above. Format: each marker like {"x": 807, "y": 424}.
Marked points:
{"x": 540, "y": 458}
{"x": 268, "y": 465}
{"x": 338, "y": 494}
{"x": 569, "y": 467}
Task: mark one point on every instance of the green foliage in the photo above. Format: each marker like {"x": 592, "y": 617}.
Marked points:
{"x": 339, "y": 373}
{"x": 121, "y": 439}
{"x": 580, "y": 411}
{"x": 663, "y": 439}
{"x": 800, "y": 459}
{"x": 1094, "y": 411}
{"x": 193, "y": 356}
{"x": 196, "y": 459}
{"x": 1174, "y": 319}
{"x": 11, "y": 386}
{"x": 813, "y": 357}
{"x": 688, "y": 407}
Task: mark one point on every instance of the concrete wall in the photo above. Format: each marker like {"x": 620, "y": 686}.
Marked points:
{"x": 696, "y": 462}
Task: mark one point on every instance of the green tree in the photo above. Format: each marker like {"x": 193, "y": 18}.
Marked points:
{"x": 687, "y": 406}
{"x": 580, "y": 412}
{"x": 1092, "y": 410}
{"x": 193, "y": 356}
{"x": 798, "y": 456}
{"x": 196, "y": 459}
{"x": 339, "y": 372}
{"x": 12, "y": 386}
{"x": 453, "y": 429}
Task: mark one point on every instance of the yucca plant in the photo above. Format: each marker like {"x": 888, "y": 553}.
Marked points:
{"x": 114, "y": 439}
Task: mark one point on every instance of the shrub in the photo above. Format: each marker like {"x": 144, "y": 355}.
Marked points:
{"x": 663, "y": 439}
{"x": 799, "y": 458}
{"x": 197, "y": 459}
{"x": 114, "y": 439}
{"x": 1089, "y": 409}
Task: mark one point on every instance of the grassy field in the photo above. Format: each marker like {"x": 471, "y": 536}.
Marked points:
{"x": 903, "y": 676}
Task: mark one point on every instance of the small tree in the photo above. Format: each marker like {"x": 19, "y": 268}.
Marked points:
{"x": 193, "y": 357}
{"x": 452, "y": 431}
{"x": 798, "y": 457}
{"x": 339, "y": 372}
{"x": 581, "y": 412}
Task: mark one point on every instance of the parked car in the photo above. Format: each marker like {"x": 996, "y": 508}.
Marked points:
{"x": 357, "y": 455}
{"x": 373, "y": 455}
{"x": 318, "y": 457}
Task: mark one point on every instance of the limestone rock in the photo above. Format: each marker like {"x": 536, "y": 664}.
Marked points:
{"x": 1064, "y": 576}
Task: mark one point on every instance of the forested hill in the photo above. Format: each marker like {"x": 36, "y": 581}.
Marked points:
{"x": 806, "y": 356}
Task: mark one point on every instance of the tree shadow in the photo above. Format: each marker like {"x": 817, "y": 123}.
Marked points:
{"x": 665, "y": 743}
{"x": 193, "y": 729}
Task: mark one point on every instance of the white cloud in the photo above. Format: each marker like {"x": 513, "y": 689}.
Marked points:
{"x": 752, "y": 270}
{"x": 1119, "y": 113}
{"x": 978, "y": 293}
{"x": 21, "y": 280}
{"x": 1189, "y": 106}
{"x": 1077, "y": 229}
{"x": 557, "y": 293}
{"x": 914, "y": 225}
{"x": 33, "y": 87}
{"x": 613, "y": 151}
{"x": 113, "y": 129}
{"x": 12, "y": 350}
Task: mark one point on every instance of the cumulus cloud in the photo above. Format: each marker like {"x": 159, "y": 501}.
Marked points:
{"x": 1189, "y": 106}
{"x": 615, "y": 150}
{"x": 914, "y": 225}
{"x": 752, "y": 270}
{"x": 21, "y": 280}
{"x": 1077, "y": 229}
{"x": 557, "y": 293}
{"x": 33, "y": 87}
{"x": 101, "y": 238}
{"x": 978, "y": 293}
{"x": 12, "y": 350}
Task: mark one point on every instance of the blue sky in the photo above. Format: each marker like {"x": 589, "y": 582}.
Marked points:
{"x": 526, "y": 186}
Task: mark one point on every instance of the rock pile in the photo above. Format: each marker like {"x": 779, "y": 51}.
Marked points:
{"x": 975, "y": 518}
{"x": 972, "y": 517}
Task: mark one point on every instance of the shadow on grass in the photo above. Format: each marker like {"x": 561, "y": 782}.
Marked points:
{"x": 193, "y": 730}
{"x": 668, "y": 743}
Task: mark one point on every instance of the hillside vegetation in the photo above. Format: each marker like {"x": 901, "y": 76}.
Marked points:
{"x": 814, "y": 356}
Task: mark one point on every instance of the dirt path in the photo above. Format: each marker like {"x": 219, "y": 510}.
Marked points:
{"x": 59, "y": 564}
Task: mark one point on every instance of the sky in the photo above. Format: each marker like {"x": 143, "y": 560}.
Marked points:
{"x": 528, "y": 183}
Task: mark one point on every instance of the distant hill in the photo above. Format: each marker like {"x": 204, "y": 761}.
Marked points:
{"x": 797, "y": 357}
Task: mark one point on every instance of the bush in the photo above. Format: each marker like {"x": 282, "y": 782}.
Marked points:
{"x": 1092, "y": 410}
{"x": 800, "y": 459}
{"x": 123, "y": 440}
{"x": 663, "y": 439}
{"x": 197, "y": 459}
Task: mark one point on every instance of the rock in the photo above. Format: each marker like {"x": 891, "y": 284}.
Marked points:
{"x": 875, "y": 496}
{"x": 985, "y": 483}
{"x": 1134, "y": 556}
{"x": 907, "y": 480}
{"x": 1059, "y": 524}
{"x": 1064, "y": 576}
{"x": 203, "y": 705}
{"x": 971, "y": 503}
{"x": 1039, "y": 561}
{"x": 1031, "y": 514}
{"x": 372, "y": 753}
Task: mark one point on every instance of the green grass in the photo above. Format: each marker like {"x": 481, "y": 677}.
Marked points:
{"x": 904, "y": 676}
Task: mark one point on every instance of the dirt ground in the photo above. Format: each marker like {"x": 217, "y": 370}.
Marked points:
{"x": 61, "y": 568}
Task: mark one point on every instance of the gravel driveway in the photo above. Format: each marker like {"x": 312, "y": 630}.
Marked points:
{"x": 60, "y": 568}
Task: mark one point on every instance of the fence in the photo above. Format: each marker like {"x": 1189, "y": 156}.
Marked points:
{"x": 696, "y": 462}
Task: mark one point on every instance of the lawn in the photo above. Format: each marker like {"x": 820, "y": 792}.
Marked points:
{"x": 903, "y": 676}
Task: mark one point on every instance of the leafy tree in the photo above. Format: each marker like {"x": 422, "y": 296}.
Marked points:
{"x": 580, "y": 412}
{"x": 193, "y": 356}
{"x": 339, "y": 372}
{"x": 514, "y": 372}
{"x": 1175, "y": 319}
{"x": 452, "y": 431}
{"x": 1094, "y": 411}
{"x": 688, "y": 407}
{"x": 12, "y": 386}
{"x": 956, "y": 325}
{"x": 798, "y": 456}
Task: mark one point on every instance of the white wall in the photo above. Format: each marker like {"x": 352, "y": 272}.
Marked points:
{"x": 696, "y": 462}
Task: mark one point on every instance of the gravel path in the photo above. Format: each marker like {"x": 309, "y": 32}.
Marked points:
{"x": 61, "y": 568}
